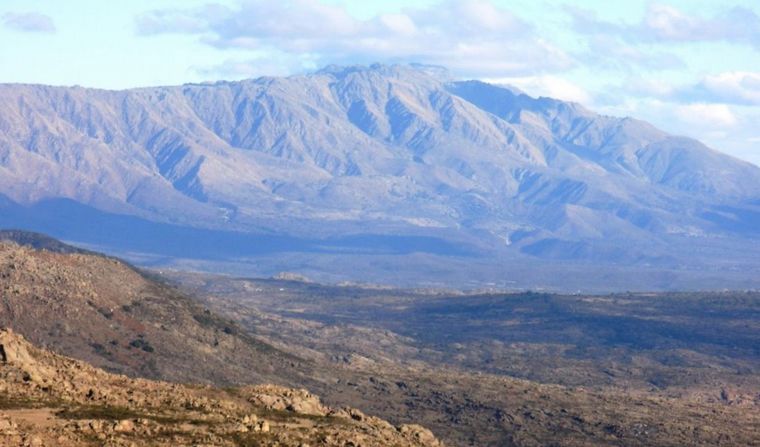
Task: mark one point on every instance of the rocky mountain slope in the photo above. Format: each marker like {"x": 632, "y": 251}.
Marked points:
{"x": 46, "y": 399}
{"x": 105, "y": 312}
{"x": 371, "y": 152}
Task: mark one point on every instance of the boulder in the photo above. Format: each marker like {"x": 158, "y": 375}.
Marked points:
{"x": 124, "y": 426}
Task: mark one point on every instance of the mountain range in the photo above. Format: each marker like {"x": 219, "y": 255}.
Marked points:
{"x": 387, "y": 173}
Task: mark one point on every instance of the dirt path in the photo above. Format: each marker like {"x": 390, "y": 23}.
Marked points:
{"x": 27, "y": 427}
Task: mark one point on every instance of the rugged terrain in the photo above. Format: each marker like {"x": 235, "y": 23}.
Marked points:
{"x": 239, "y": 332}
{"x": 46, "y": 400}
{"x": 349, "y": 172}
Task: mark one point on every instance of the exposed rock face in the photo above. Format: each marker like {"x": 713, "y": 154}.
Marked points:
{"x": 75, "y": 404}
{"x": 380, "y": 149}
{"x": 15, "y": 352}
{"x": 283, "y": 399}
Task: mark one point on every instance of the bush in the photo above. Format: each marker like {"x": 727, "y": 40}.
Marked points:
{"x": 141, "y": 344}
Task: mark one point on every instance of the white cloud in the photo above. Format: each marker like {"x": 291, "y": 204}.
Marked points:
{"x": 399, "y": 23}
{"x": 667, "y": 22}
{"x": 664, "y": 23}
{"x": 707, "y": 116}
{"x": 473, "y": 37}
{"x": 32, "y": 22}
{"x": 547, "y": 85}
{"x": 736, "y": 87}
{"x": 721, "y": 89}
{"x": 480, "y": 15}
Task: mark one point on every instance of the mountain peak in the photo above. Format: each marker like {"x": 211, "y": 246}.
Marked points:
{"x": 434, "y": 71}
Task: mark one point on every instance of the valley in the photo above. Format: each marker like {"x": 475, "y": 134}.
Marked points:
{"x": 520, "y": 369}
{"x": 646, "y": 341}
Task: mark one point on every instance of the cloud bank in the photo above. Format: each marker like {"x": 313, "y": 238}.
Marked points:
{"x": 472, "y": 37}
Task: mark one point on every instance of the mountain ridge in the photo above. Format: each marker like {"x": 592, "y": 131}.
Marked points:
{"x": 378, "y": 150}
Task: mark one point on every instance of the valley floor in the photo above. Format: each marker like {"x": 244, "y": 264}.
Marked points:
{"x": 520, "y": 369}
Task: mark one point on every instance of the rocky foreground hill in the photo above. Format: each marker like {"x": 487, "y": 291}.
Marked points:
{"x": 107, "y": 313}
{"x": 50, "y": 400}
{"x": 102, "y": 311}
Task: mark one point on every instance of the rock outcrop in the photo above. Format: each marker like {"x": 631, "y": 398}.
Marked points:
{"x": 46, "y": 399}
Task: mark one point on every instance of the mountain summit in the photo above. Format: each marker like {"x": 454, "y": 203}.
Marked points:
{"x": 359, "y": 161}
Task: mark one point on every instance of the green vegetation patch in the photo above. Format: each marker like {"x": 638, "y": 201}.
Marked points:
{"x": 139, "y": 343}
{"x": 8, "y": 402}
{"x": 287, "y": 416}
{"x": 108, "y": 412}
{"x": 99, "y": 412}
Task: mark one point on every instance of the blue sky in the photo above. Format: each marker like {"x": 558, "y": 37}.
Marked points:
{"x": 691, "y": 67}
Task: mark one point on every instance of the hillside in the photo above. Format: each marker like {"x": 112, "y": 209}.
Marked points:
{"x": 111, "y": 315}
{"x": 362, "y": 166}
